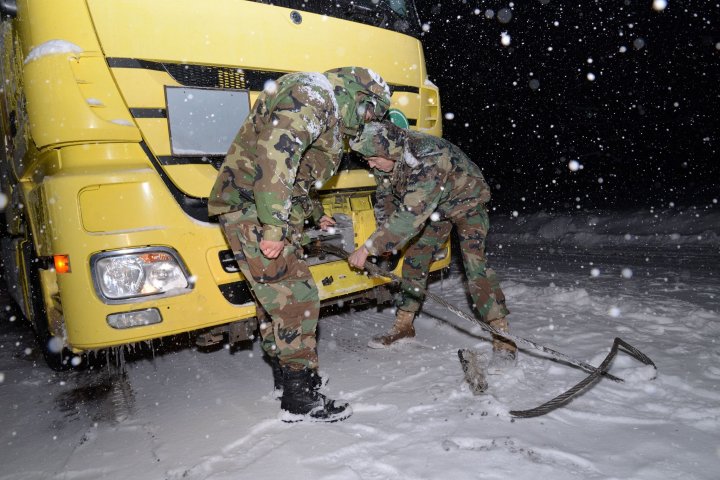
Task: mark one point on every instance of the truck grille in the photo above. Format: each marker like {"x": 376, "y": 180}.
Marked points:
{"x": 209, "y": 77}
{"x": 219, "y": 77}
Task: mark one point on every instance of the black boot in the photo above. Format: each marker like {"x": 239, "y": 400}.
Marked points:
{"x": 277, "y": 376}
{"x": 302, "y": 401}
{"x": 277, "y": 372}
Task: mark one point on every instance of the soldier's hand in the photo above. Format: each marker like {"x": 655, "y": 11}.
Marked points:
{"x": 358, "y": 258}
{"x": 326, "y": 222}
{"x": 271, "y": 248}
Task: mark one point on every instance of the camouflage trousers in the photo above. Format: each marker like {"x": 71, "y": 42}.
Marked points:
{"x": 288, "y": 303}
{"x": 487, "y": 296}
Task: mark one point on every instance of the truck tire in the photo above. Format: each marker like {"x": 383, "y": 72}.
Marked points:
{"x": 55, "y": 354}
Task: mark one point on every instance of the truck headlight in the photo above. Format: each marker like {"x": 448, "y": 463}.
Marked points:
{"x": 128, "y": 274}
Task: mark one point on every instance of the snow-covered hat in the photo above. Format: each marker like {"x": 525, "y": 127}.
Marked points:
{"x": 356, "y": 89}
{"x": 380, "y": 139}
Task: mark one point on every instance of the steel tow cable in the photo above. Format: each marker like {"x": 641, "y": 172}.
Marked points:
{"x": 595, "y": 372}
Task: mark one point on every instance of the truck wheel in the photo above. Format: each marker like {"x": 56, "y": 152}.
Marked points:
{"x": 56, "y": 355}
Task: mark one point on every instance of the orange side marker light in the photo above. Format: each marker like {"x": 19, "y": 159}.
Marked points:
{"x": 62, "y": 263}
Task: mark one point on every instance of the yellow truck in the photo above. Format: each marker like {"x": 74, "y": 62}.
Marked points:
{"x": 115, "y": 116}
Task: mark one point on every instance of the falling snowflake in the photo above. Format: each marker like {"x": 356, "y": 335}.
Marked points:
{"x": 55, "y": 345}
{"x": 659, "y": 5}
{"x": 505, "y": 39}
{"x": 270, "y": 87}
{"x": 504, "y": 15}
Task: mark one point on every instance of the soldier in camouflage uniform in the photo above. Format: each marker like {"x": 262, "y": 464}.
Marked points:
{"x": 290, "y": 145}
{"x": 425, "y": 186}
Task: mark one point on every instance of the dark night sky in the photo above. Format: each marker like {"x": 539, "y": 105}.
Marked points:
{"x": 645, "y": 130}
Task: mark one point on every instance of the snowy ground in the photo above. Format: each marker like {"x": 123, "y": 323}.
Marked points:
{"x": 210, "y": 415}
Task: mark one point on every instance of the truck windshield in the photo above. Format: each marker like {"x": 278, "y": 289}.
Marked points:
{"x": 398, "y": 15}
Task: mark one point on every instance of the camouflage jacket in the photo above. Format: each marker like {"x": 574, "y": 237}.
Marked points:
{"x": 289, "y": 145}
{"x": 432, "y": 179}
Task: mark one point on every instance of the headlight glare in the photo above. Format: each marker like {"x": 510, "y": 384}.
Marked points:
{"x": 128, "y": 274}
{"x": 121, "y": 276}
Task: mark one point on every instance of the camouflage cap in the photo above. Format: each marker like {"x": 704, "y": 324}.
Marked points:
{"x": 355, "y": 88}
{"x": 380, "y": 139}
